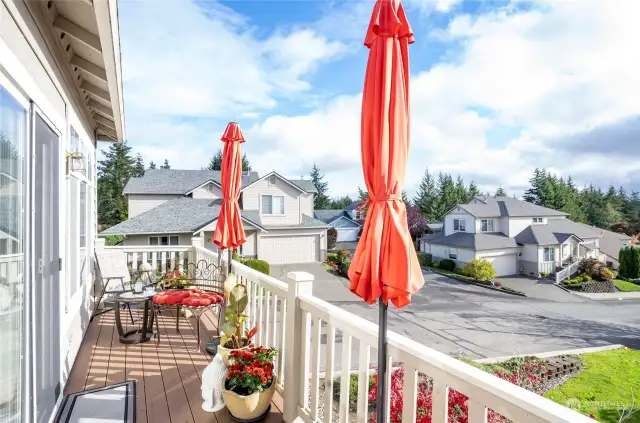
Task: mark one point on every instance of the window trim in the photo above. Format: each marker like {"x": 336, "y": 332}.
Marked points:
{"x": 358, "y": 214}
{"x": 546, "y": 250}
{"x": 538, "y": 220}
{"x": 461, "y": 228}
{"x": 159, "y": 240}
{"x": 493, "y": 225}
{"x": 453, "y": 256}
{"x": 262, "y": 212}
{"x": 271, "y": 178}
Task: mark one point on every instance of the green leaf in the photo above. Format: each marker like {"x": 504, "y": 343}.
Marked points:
{"x": 242, "y": 304}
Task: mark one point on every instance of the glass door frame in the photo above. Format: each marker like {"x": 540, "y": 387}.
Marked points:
{"x": 26, "y": 374}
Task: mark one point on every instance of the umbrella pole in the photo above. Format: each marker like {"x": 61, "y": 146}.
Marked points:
{"x": 381, "y": 405}
{"x": 230, "y": 258}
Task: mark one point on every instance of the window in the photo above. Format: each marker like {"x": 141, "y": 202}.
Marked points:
{"x": 538, "y": 220}
{"x": 272, "y": 180}
{"x": 487, "y": 225}
{"x": 83, "y": 215}
{"x": 13, "y": 195}
{"x": 460, "y": 225}
{"x": 272, "y": 204}
{"x": 163, "y": 240}
{"x": 549, "y": 254}
{"x": 453, "y": 253}
{"x": 358, "y": 214}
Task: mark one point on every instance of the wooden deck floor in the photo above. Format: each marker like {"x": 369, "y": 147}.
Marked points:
{"x": 167, "y": 375}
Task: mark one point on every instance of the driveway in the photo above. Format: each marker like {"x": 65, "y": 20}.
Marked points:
{"x": 460, "y": 319}
{"x": 543, "y": 289}
{"x": 326, "y": 286}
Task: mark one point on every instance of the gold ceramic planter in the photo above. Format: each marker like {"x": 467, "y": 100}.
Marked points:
{"x": 249, "y": 407}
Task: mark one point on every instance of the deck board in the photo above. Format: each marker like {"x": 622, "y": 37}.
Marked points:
{"x": 168, "y": 375}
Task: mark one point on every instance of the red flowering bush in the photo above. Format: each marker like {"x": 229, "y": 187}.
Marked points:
{"x": 498, "y": 284}
{"x": 522, "y": 372}
{"x": 251, "y": 370}
{"x": 332, "y": 265}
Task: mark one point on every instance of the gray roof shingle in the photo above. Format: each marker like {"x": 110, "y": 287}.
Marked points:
{"x": 328, "y": 216}
{"x": 507, "y": 206}
{"x": 556, "y": 231}
{"x": 480, "y": 241}
{"x": 179, "y": 215}
{"x": 307, "y": 222}
{"x": 175, "y": 181}
{"x": 354, "y": 205}
{"x": 305, "y": 184}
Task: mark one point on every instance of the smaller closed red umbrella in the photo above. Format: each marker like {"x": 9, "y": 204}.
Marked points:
{"x": 229, "y": 232}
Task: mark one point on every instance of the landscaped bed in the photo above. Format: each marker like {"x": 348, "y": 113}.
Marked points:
{"x": 626, "y": 286}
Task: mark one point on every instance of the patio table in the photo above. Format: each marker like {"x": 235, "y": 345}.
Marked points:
{"x": 144, "y": 333}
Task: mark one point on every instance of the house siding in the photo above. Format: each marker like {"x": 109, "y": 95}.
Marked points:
{"x": 343, "y": 223}
{"x": 143, "y": 240}
{"x": 497, "y": 224}
{"x": 306, "y": 204}
{"x": 440, "y": 252}
{"x": 252, "y": 201}
{"x": 517, "y": 225}
{"x": 204, "y": 193}
{"x": 459, "y": 214}
{"x": 140, "y": 203}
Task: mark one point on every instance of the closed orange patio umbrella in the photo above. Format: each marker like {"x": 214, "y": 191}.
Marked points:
{"x": 229, "y": 232}
{"x": 385, "y": 265}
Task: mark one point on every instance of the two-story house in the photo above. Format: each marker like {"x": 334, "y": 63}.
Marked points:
{"x": 168, "y": 207}
{"x": 519, "y": 237}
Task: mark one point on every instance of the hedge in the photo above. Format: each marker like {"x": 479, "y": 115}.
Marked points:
{"x": 259, "y": 265}
{"x": 447, "y": 264}
{"x": 332, "y": 237}
{"x": 425, "y": 259}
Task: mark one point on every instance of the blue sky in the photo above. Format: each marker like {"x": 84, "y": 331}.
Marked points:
{"x": 498, "y": 87}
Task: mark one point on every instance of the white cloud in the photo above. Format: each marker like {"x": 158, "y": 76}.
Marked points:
{"x": 188, "y": 59}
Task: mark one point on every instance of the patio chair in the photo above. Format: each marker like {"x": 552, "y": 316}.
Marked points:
{"x": 114, "y": 278}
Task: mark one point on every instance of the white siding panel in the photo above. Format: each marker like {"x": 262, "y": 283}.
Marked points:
{"x": 289, "y": 249}
{"x": 207, "y": 192}
{"x": 252, "y": 201}
{"x": 348, "y": 234}
{"x": 459, "y": 214}
{"x": 517, "y": 225}
{"x": 140, "y": 203}
{"x": 504, "y": 265}
{"x": 442, "y": 251}
{"x": 132, "y": 240}
{"x": 529, "y": 253}
{"x": 306, "y": 204}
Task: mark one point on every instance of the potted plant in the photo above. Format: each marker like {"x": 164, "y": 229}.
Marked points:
{"x": 250, "y": 383}
{"x": 231, "y": 337}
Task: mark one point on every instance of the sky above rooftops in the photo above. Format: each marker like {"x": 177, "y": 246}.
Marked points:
{"x": 498, "y": 87}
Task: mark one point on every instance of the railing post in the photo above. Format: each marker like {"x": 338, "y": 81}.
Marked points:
{"x": 300, "y": 283}
{"x": 196, "y": 241}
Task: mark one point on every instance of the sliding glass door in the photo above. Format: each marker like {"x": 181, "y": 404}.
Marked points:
{"x": 13, "y": 200}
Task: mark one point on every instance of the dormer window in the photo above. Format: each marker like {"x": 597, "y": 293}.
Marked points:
{"x": 487, "y": 225}
{"x": 538, "y": 221}
{"x": 358, "y": 214}
{"x": 460, "y": 225}
{"x": 272, "y": 180}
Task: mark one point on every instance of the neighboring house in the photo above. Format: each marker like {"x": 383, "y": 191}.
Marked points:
{"x": 518, "y": 237}
{"x": 168, "y": 207}
{"x": 60, "y": 93}
{"x": 433, "y": 227}
{"x": 347, "y": 228}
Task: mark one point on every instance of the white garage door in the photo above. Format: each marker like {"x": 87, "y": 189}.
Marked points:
{"x": 348, "y": 234}
{"x": 503, "y": 265}
{"x": 289, "y": 249}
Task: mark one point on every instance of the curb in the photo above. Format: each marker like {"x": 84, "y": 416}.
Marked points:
{"x": 622, "y": 298}
{"x": 467, "y": 281}
{"x": 552, "y": 353}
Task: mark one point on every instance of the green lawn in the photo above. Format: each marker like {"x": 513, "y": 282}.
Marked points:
{"x": 625, "y": 286}
{"x": 610, "y": 381}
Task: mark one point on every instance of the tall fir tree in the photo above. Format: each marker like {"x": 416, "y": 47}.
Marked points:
{"x": 340, "y": 202}
{"x": 461, "y": 194}
{"x": 405, "y": 198}
{"x": 447, "y": 194}
{"x": 362, "y": 194}
{"x": 216, "y": 162}
{"x": 500, "y": 192}
{"x": 152, "y": 165}
{"x": 138, "y": 166}
{"x": 472, "y": 191}
{"x": 426, "y": 198}
{"x": 113, "y": 174}
{"x": 321, "y": 200}
{"x": 165, "y": 165}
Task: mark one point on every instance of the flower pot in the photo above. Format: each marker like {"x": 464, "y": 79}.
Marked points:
{"x": 224, "y": 353}
{"x": 249, "y": 407}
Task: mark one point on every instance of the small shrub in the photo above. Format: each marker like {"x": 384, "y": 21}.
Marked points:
{"x": 606, "y": 274}
{"x": 343, "y": 268}
{"x": 591, "y": 267}
{"x": 425, "y": 259}
{"x": 447, "y": 264}
{"x": 341, "y": 256}
{"x": 113, "y": 240}
{"x": 332, "y": 257}
{"x": 480, "y": 269}
{"x": 259, "y": 265}
{"x": 332, "y": 237}
{"x": 460, "y": 271}
{"x": 235, "y": 256}
{"x": 498, "y": 284}
{"x": 543, "y": 274}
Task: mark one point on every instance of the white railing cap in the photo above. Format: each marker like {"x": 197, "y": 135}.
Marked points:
{"x": 300, "y": 276}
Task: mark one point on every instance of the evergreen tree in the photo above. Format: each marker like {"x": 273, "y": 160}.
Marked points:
{"x": 321, "y": 200}
{"x": 473, "y": 191}
{"x": 405, "y": 198}
{"x": 501, "y": 192}
{"x": 165, "y": 165}
{"x": 152, "y": 165}
{"x": 362, "y": 195}
{"x": 447, "y": 194}
{"x": 216, "y": 162}
{"x": 426, "y": 198}
{"x": 113, "y": 174}
{"x": 461, "y": 194}
{"x": 340, "y": 203}
{"x": 138, "y": 166}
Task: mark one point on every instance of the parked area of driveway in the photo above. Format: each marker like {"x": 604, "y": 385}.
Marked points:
{"x": 460, "y": 319}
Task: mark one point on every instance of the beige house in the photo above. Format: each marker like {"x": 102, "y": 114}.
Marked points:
{"x": 168, "y": 207}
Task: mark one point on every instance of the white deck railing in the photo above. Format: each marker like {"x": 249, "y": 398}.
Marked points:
{"x": 165, "y": 257}
{"x": 11, "y": 265}
{"x": 309, "y": 333}
{"x": 567, "y": 272}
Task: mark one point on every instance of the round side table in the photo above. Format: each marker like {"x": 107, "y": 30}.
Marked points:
{"x": 145, "y": 333}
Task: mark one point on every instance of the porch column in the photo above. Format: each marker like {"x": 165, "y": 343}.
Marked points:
{"x": 295, "y": 363}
